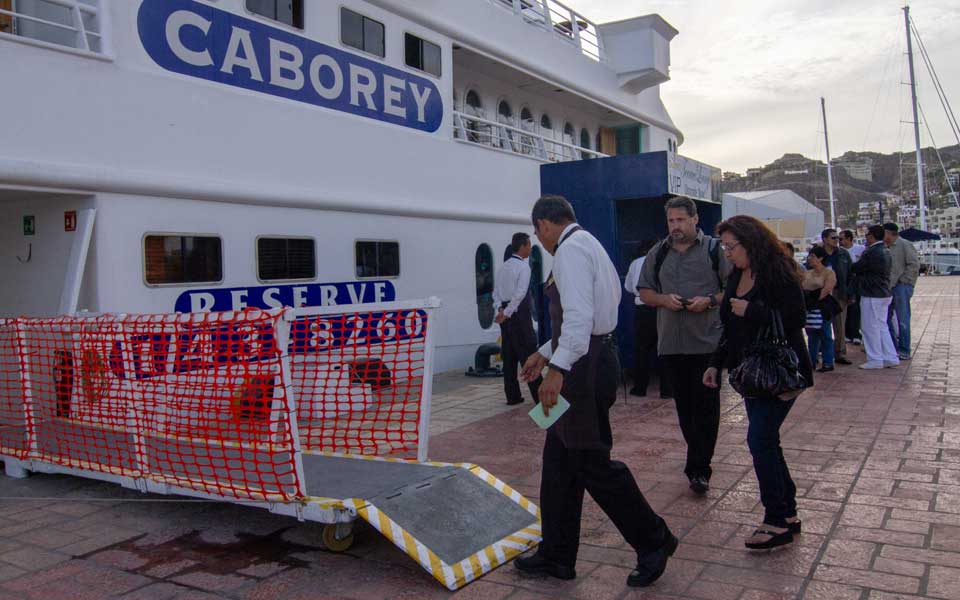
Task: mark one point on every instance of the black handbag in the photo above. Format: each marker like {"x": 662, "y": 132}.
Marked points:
{"x": 770, "y": 368}
{"x": 830, "y": 307}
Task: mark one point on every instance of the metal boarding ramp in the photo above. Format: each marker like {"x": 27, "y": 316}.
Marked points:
{"x": 303, "y": 412}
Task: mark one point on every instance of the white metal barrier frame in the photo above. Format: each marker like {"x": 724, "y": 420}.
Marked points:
{"x": 429, "y": 306}
{"x": 333, "y": 511}
{"x": 84, "y": 24}
{"x": 507, "y": 138}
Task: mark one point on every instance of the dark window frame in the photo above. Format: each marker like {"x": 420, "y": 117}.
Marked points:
{"x": 183, "y": 236}
{"x": 422, "y": 43}
{"x": 363, "y": 30}
{"x": 379, "y": 274}
{"x": 256, "y": 249}
{"x": 297, "y": 18}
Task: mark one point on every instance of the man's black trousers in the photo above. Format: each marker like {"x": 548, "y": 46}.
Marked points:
{"x": 698, "y": 409}
{"x": 644, "y": 344}
{"x": 567, "y": 472}
{"x": 517, "y": 342}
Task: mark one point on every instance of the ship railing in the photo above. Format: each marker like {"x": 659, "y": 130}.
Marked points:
{"x": 507, "y": 138}
{"x": 71, "y": 23}
{"x": 566, "y": 23}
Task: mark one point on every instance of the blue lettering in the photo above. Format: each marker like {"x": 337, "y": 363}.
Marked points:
{"x": 297, "y": 295}
{"x": 201, "y": 41}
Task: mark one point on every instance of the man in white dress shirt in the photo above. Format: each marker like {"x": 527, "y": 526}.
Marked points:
{"x": 644, "y": 328}
{"x": 511, "y": 296}
{"x": 584, "y": 294}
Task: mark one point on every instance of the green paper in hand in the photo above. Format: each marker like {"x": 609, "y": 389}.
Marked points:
{"x": 545, "y": 421}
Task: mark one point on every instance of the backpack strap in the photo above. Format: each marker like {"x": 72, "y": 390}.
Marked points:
{"x": 713, "y": 248}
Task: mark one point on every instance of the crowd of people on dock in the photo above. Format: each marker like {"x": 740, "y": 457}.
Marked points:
{"x": 738, "y": 302}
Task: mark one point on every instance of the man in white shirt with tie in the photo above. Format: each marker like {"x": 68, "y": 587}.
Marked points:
{"x": 584, "y": 294}
{"x": 511, "y": 296}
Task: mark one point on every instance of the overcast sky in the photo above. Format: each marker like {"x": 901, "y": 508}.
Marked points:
{"x": 747, "y": 75}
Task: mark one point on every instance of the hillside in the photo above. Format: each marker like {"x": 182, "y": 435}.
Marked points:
{"x": 892, "y": 173}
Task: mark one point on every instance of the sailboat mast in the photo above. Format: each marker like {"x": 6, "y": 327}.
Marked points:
{"x": 921, "y": 197}
{"x": 826, "y": 139}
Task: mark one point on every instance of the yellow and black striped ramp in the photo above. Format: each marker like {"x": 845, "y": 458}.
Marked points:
{"x": 457, "y": 520}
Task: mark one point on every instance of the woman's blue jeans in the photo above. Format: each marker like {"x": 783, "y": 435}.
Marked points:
{"x": 821, "y": 340}
{"x": 778, "y": 493}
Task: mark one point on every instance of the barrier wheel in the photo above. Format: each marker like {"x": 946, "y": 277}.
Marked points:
{"x": 335, "y": 542}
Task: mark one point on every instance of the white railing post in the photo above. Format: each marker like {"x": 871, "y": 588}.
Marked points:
{"x": 547, "y": 17}
{"x": 82, "y": 43}
{"x": 426, "y": 391}
{"x": 575, "y": 28}
{"x": 517, "y": 7}
{"x": 282, "y": 334}
{"x": 30, "y": 425}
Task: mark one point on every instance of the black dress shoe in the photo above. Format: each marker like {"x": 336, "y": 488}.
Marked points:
{"x": 825, "y": 369}
{"x": 842, "y": 360}
{"x": 638, "y": 391}
{"x": 538, "y": 563}
{"x": 512, "y": 402}
{"x": 652, "y": 565}
{"x": 699, "y": 484}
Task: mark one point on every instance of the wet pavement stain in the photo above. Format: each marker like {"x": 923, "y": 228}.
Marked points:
{"x": 199, "y": 555}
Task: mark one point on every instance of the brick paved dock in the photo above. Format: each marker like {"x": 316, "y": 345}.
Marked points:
{"x": 876, "y": 456}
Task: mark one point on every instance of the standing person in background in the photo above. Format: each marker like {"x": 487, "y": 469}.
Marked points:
{"x": 904, "y": 271}
{"x": 763, "y": 280}
{"x": 872, "y": 283}
{"x": 852, "y": 333}
{"x": 644, "y": 328}
{"x": 511, "y": 296}
{"x": 584, "y": 293}
{"x": 839, "y": 260}
{"x": 684, "y": 281}
{"x": 819, "y": 282}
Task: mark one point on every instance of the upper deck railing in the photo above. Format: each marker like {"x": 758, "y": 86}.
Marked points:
{"x": 516, "y": 140}
{"x": 71, "y": 23}
{"x": 561, "y": 20}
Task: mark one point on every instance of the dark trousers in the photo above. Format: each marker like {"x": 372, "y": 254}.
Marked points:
{"x": 778, "y": 494}
{"x": 518, "y": 341}
{"x": 698, "y": 409}
{"x": 644, "y": 345}
{"x": 853, "y": 321}
{"x": 567, "y": 472}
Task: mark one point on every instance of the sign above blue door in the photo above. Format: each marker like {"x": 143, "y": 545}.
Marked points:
{"x": 201, "y": 41}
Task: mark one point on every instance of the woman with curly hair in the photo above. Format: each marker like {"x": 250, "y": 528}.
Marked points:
{"x": 764, "y": 279}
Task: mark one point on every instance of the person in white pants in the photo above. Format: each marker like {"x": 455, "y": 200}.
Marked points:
{"x": 872, "y": 281}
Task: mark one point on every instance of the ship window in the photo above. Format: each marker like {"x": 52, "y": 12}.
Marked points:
{"x": 289, "y": 12}
{"x": 377, "y": 259}
{"x": 421, "y": 54}
{"x": 504, "y": 111}
{"x": 545, "y": 122}
{"x": 362, "y": 33}
{"x": 182, "y": 259}
{"x": 483, "y": 268}
{"x": 285, "y": 258}
{"x": 584, "y": 139}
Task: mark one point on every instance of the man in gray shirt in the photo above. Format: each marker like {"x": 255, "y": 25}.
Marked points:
{"x": 904, "y": 271}
{"x": 685, "y": 282}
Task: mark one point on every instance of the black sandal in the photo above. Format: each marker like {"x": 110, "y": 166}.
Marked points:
{"x": 795, "y": 527}
{"x": 776, "y": 539}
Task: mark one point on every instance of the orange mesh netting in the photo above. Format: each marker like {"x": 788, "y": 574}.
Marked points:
{"x": 358, "y": 380}
{"x": 192, "y": 400}
{"x": 201, "y": 400}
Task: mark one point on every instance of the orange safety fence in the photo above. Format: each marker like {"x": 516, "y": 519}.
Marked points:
{"x": 221, "y": 402}
{"x": 359, "y": 380}
{"x": 192, "y": 400}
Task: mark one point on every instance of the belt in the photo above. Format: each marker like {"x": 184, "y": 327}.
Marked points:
{"x": 605, "y": 337}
